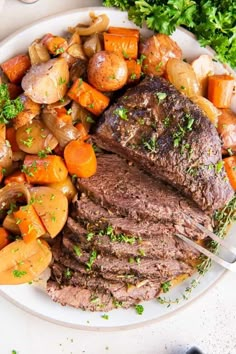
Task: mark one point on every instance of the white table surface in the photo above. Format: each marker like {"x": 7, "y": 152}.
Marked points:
{"x": 209, "y": 322}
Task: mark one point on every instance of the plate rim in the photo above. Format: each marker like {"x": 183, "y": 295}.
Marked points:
{"x": 100, "y": 327}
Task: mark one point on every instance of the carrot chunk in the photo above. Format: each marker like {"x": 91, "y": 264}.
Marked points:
{"x": 80, "y": 159}
{"x": 4, "y": 238}
{"x": 56, "y": 45}
{"x": 220, "y": 90}
{"x": 88, "y": 97}
{"x": 125, "y": 45}
{"x": 29, "y": 223}
{"x": 134, "y": 70}
{"x": 122, "y": 31}
{"x": 11, "y": 137}
{"x": 82, "y": 130}
{"x": 15, "y": 68}
{"x": 62, "y": 115}
{"x": 230, "y": 167}
{"x": 17, "y": 176}
{"x": 50, "y": 169}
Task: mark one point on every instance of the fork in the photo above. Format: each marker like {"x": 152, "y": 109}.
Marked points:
{"x": 228, "y": 265}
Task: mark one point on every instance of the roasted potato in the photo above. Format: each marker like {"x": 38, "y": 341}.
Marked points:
{"x": 34, "y": 137}
{"x": 107, "y": 71}
{"x": 157, "y": 50}
{"x": 52, "y": 207}
{"x": 66, "y": 187}
{"x": 227, "y": 129}
{"x": 47, "y": 82}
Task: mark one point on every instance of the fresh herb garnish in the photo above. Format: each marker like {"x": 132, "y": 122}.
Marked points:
{"x": 161, "y": 96}
{"x": 77, "y": 251}
{"x": 9, "y": 109}
{"x": 166, "y": 286}
{"x": 92, "y": 259}
{"x": 139, "y": 309}
{"x": 179, "y": 134}
{"x": 68, "y": 273}
{"x": 122, "y": 113}
{"x": 121, "y": 237}
{"x": 89, "y": 119}
{"x": 18, "y": 273}
{"x": 105, "y": 316}
{"x": 151, "y": 145}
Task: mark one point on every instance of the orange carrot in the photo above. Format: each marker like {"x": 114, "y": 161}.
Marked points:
{"x": 134, "y": 70}
{"x": 49, "y": 169}
{"x": 11, "y": 137}
{"x": 29, "y": 223}
{"x": 88, "y": 97}
{"x": 82, "y": 130}
{"x": 16, "y": 176}
{"x": 56, "y": 45}
{"x": 80, "y": 159}
{"x": 4, "y": 237}
{"x": 125, "y": 45}
{"x": 14, "y": 90}
{"x": 230, "y": 167}
{"x": 15, "y": 68}
{"x": 124, "y": 31}
{"x": 220, "y": 90}
{"x": 62, "y": 115}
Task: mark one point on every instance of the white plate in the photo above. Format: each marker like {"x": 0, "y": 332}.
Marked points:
{"x": 33, "y": 299}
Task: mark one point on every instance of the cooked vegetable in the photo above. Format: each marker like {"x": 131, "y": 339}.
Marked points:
{"x": 92, "y": 45}
{"x": 52, "y": 207}
{"x": 66, "y": 187}
{"x": 63, "y": 115}
{"x": 125, "y": 45}
{"x": 230, "y": 167}
{"x": 11, "y": 137}
{"x": 35, "y": 137}
{"x": 56, "y": 45}
{"x": 17, "y": 176}
{"x": 208, "y": 108}
{"x": 80, "y": 159}
{"x": 38, "y": 53}
{"x": 14, "y": 90}
{"x": 182, "y": 76}
{"x": 156, "y": 52}
{"x": 227, "y": 129}
{"x": 4, "y": 238}
{"x": 107, "y": 71}
{"x": 62, "y": 131}
{"x": 203, "y": 67}
{"x": 76, "y": 51}
{"x": 30, "y": 111}
{"x": 99, "y": 24}
{"x": 11, "y": 193}
{"x": 5, "y": 149}
{"x": 16, "y": 67}
{"x": 45, "y": 170}
{"x": 47, "y": 82}
{"x": 29, "y": 223}
{"x": 80, "y": 114}
{"x": 9, "y": 223}
{"x": 1, "y": 174}
{"x": 134, "y": 70}
{"x": 9, "y": 109}
{"x": 82, "y": 131}
{"x": 212, "y": 21}
{"x": 220, "y": 90}
{"x": 88, "y": 97}
{"x": 22, "y": 262}
{"x": 122, "y": 31}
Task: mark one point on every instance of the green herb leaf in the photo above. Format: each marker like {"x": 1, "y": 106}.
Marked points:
{"x": 166, "y": 286}
{"x": 122, "y": 113}
{"x": 139, "y": 309}
{"x": 77, "y": 251}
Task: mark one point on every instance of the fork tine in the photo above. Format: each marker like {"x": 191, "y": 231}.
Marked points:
{"x": 215, "y": 258}
{"x": 213, "y": 236}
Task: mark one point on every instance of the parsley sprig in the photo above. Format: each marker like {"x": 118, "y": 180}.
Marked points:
{"x": 9, "y": 109}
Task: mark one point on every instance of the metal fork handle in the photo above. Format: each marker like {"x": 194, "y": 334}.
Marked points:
{"x": 214, "y": 257}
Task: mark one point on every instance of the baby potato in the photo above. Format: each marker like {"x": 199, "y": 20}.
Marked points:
{"x": 66, "y": 187}
{"x": 51, "y": 206}
{"x": 47, "y": 82}
{"x": 34, "y": 137}
{"x": 157, "y": 50}
{"x": 107, "y": 71}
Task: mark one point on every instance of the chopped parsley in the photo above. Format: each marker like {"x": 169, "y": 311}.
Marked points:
{"x": 133, "y": 76}
{"x": 9, "y": 109}
{"x": 89, "y": 119}
{"x": 92, "y": 259}
{"x": 59, "y": 50}
{"x": 166, "y": 286}
{"x": 161, "y": 96}
{"x": 151, "y": 145}
{"x": 141, "y": 59}
{"x": 77, "y": 251}
{"x": 121, "y": 237}
{"x": 61, "y": 81}
{"x": 122, "y": 113}
{"x": 28, "y": 142}
{"x": 68, "y": 273}
{"x": 44, "y": 153}
{"x": 105, "y": 316}
{"x": 166, "y": 122}
{"x": 218, "y": 166}
{"x": 139, "y": 309}
{"x": 89, "y": 236}
{"x": 179, "y": 135}
{"x": 18, "y": 273}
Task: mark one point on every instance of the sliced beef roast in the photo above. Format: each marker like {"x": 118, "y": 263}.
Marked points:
{"x": 166, "y": 134}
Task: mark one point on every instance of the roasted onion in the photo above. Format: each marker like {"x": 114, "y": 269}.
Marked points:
{"x": 99, "y": 24}
{"x": 11, "y": 192}
{"x": 38, "y": 53}
{"x": 92, "y": 45}
{"x": 62, "y": 131}
{"x": 5, "y": 149}
{"x": 80, "y": 114}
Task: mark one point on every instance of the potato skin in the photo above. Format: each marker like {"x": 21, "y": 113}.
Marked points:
{"x": 47, "y": 82}
{"x": 107, "y": 71}
{"x": 158, "y": 49}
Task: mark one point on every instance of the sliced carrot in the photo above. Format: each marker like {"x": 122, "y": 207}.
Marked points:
{"x": 82, "y": 130}
{"x": 4, "y": 237}
{"x": 14, "y": 90}
{"x": 16, "y": 176}
{"x": 80, "y": 159}
{"x": 220, "y": 90}
{"x": 134, "y": 70}
{"x": 124, "y": 31}
{"x": 49, "y": 169}
{"x": 230, "y": 167}
{"x": 29, "y": 223}
{"x": 15, "y": 68}
{"x": 56, "y": 45}
{"x": 11, "y": 137}
{"x": 62, "y": 115}
{"x": 125, "y": 45}
{"x": 88, "y": 97}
